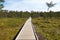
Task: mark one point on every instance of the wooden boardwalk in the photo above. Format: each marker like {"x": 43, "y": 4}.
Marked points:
{"x": 26, "y": 32}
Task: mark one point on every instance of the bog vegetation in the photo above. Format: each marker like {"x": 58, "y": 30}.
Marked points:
{"x": 47, "y": 30}
{"x": 9, "y": 27}
{"x": 47, "y": 24}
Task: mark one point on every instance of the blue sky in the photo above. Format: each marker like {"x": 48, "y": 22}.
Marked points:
{"x": 30, "y": 5}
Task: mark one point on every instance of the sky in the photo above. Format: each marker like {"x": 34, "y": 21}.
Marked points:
{"x": 30, "y": 5}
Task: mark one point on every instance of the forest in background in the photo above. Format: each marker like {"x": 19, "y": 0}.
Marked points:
{"x": 26, "y": 14}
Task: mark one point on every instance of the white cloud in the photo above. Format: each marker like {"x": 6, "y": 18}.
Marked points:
{"x": 29, "y": 5}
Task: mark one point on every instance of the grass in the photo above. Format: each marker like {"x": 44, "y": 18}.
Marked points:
{"x": 50, "y": 30}
{"x": 9, "y": 27}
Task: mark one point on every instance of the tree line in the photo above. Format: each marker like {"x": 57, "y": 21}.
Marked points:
{"x": 14, "y": 14}
{"x": 26, "y": 14}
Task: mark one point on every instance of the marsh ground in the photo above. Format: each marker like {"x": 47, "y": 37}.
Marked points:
{"x": 47, "y": 30}
{"x": 9, "y": 27}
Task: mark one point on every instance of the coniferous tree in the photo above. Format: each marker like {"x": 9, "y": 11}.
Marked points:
{"x": 1, "y": 4}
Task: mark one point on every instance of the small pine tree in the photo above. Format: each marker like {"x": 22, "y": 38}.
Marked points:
{"x": 50, "y": 5}
{"x": 1, "y": 4}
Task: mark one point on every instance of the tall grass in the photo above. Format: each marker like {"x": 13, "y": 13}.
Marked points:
{"x": 50, "y": 30}
{"x": 9, "y": 27}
